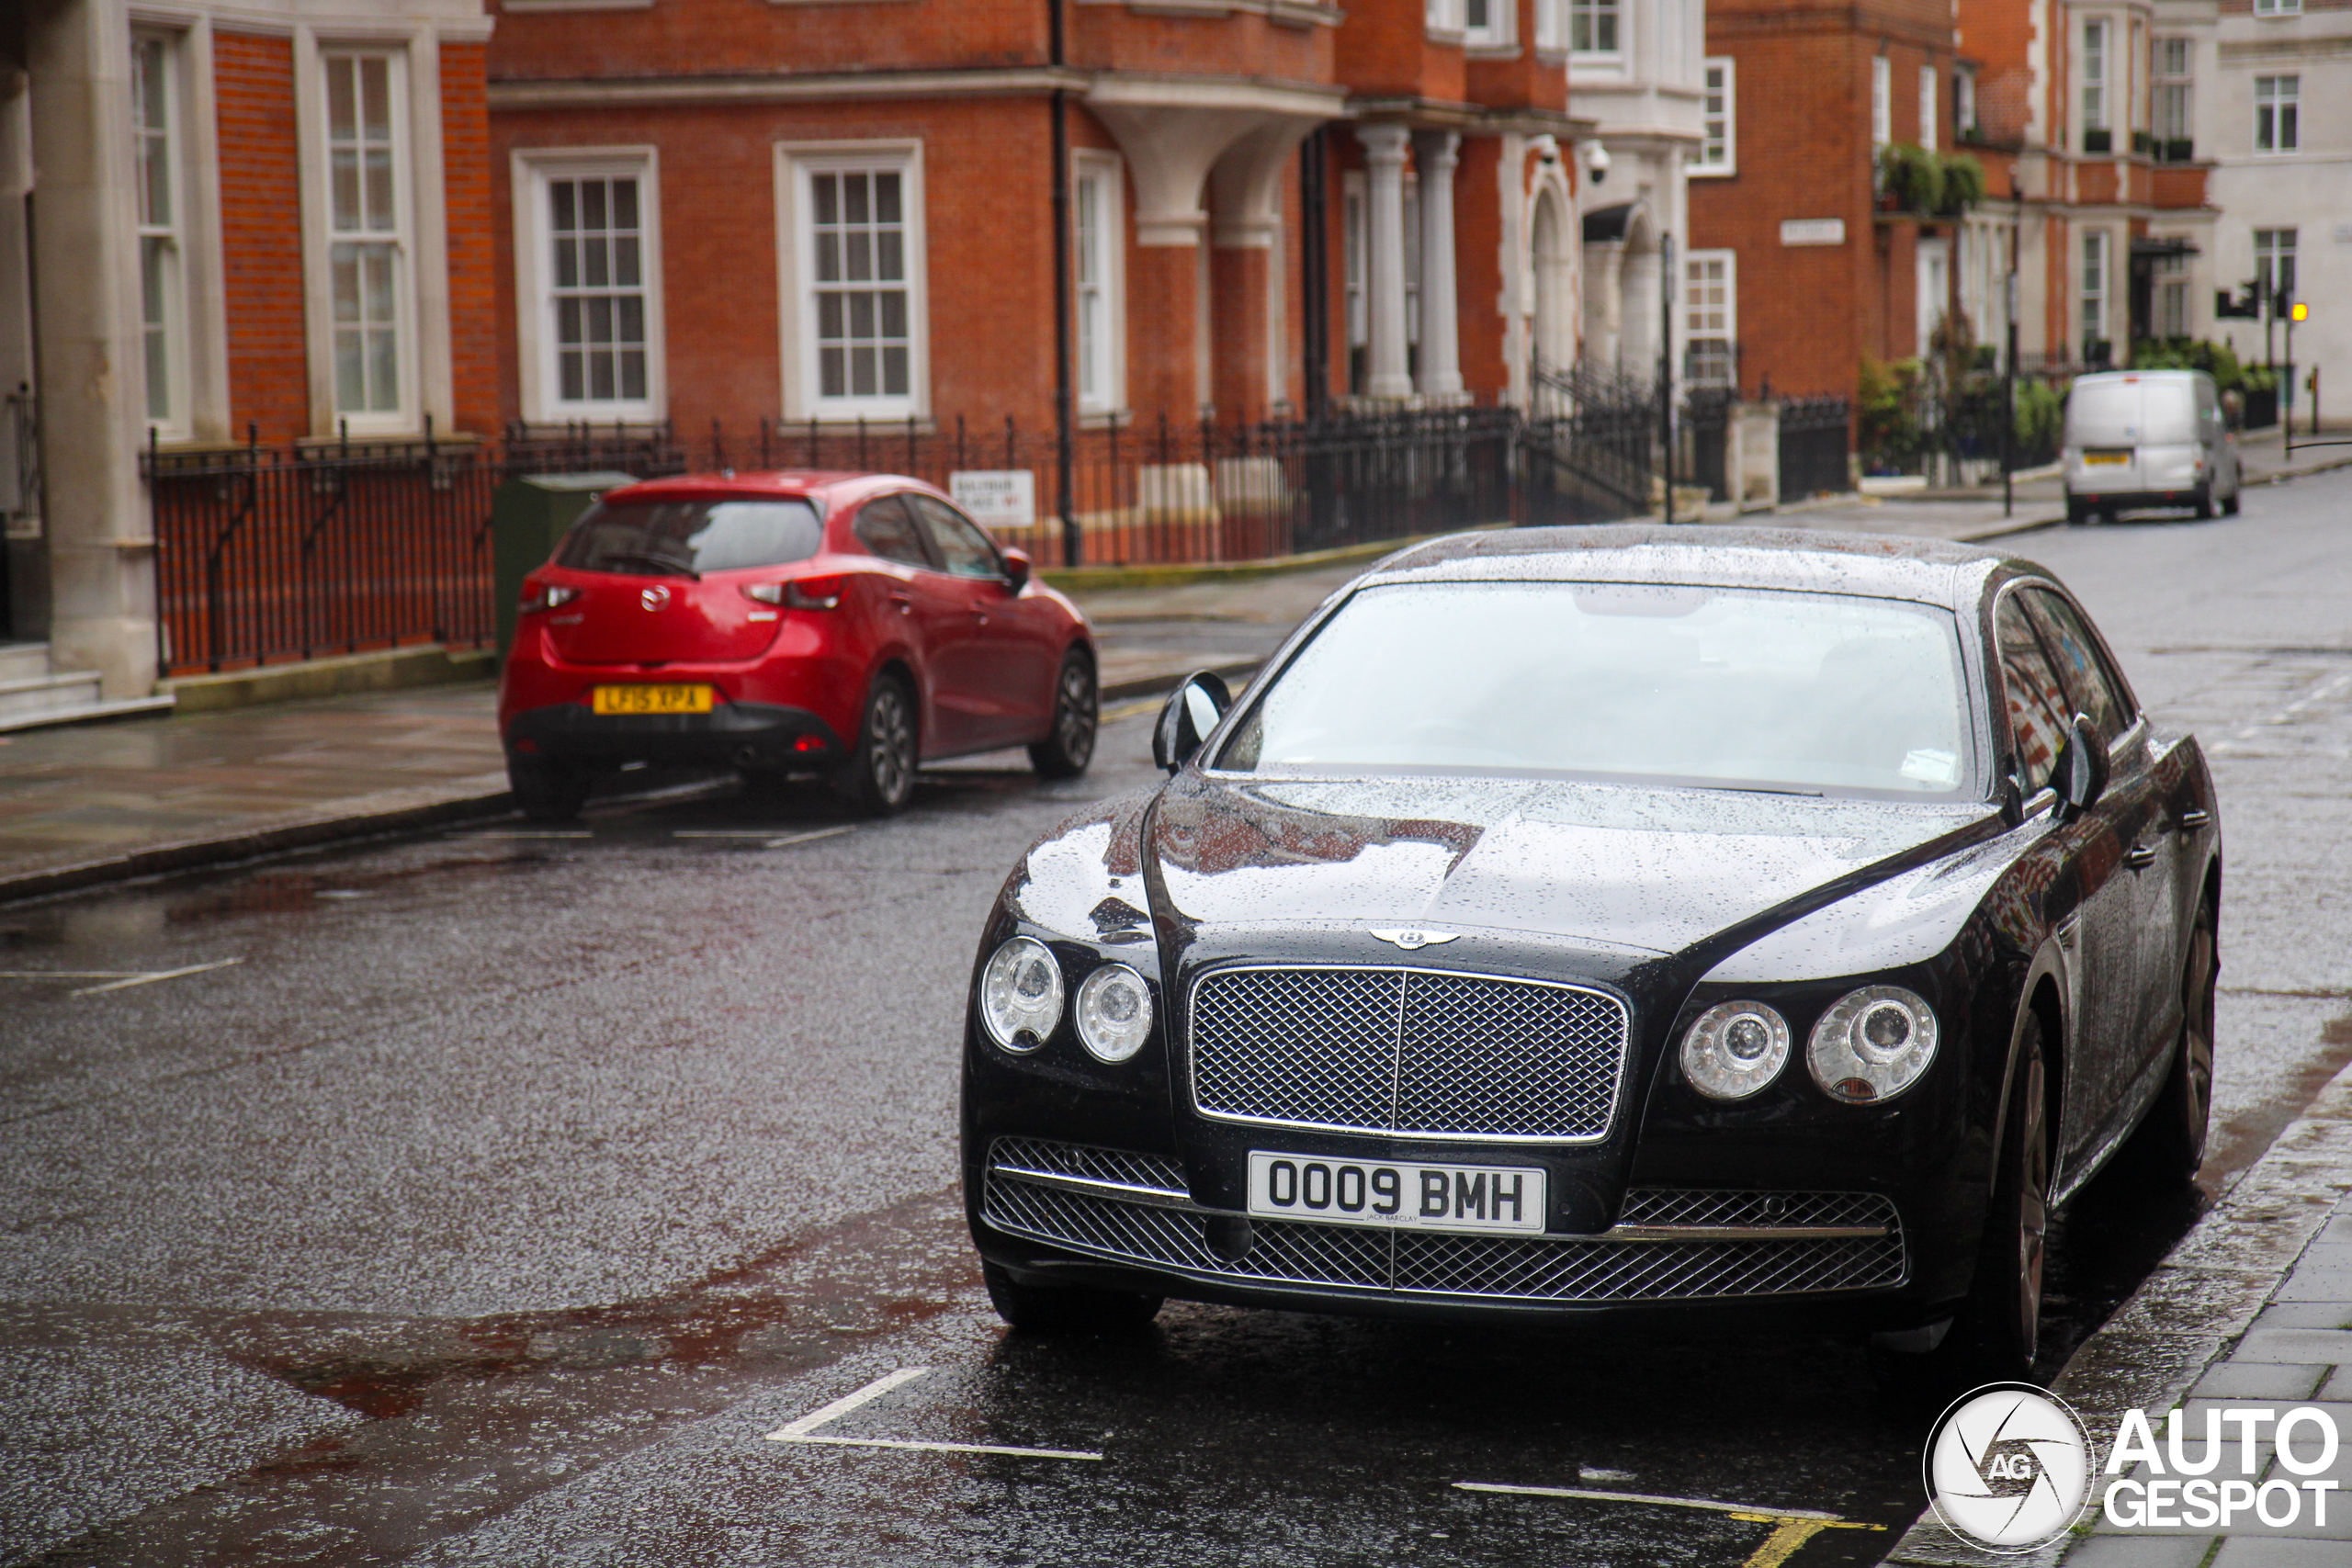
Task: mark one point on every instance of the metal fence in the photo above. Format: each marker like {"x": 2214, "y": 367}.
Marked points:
{"x": 1814, "y": 447}
{"x": 279, "y": 554}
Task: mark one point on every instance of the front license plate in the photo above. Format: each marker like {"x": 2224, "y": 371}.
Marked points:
{"x": 1380, "y": 1192}
{"x": 2106, "y": 459}
{"x": 652, "y": 699}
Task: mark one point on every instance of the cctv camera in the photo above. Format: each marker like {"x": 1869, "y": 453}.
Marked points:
{"x": 1596, "y": 161}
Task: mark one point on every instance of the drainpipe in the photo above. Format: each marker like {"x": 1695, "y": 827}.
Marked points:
{"x": 1065, "y": 458}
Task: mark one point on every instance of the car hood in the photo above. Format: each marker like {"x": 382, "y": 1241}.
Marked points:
{"x": 1602, "y": 866}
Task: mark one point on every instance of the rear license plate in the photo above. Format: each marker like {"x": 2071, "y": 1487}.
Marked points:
{"x": 2106, "y": 459}
{"x": 652, "y": 699}
{"x": 1385, "y": 1192}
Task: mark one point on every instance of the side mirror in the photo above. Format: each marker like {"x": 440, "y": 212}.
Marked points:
{"x": 1016, "y": 569}
{"x": 2080, "y": 777}
{"x": 1192, "y": 711}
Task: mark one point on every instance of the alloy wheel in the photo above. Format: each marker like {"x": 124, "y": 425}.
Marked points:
{"x": 890, "y": 745}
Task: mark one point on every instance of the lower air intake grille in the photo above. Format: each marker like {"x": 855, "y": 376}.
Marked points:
{"x": 1565, "y": 1268}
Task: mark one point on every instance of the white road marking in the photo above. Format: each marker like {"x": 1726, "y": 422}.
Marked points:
{"x": 1646, "y": 1497}
{"x": 809, "y": 838}
{"x": 533, "y": 833}
{"x": 2326, "y": 688}
{"x": 804, "y": 1430}
{"x": 721, "y": 832}
{"x": 116, "y": 979}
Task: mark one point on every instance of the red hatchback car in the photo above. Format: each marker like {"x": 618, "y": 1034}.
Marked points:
{"x": 850, "y": 625}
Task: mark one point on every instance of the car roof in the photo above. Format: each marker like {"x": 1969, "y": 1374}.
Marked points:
{"x": 1881, "y": 566}
{"x": 832, "y": 486}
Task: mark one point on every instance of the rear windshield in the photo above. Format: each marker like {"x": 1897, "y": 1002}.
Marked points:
{"x": 686, "y": 538}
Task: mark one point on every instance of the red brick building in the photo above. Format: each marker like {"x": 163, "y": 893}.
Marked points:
{"x": 270, "y": 218}
{"x": 842, "y": 212}
{"x": 1820, "y": 89}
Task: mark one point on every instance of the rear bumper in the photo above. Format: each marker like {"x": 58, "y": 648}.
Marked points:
{"x": 2186, "y": 495}
{"x": 742, "y": 735}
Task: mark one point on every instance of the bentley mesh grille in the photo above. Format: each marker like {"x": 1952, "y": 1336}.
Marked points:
{"x": 1417, "y": 1051}
{"x": 1564, "y": 1270}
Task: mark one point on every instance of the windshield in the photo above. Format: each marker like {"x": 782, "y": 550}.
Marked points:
{"x": 686, "y": 538}
{"x": 1724, "y": 687}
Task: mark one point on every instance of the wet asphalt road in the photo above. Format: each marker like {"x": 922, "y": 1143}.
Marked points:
{"x": 511, "y": 1187}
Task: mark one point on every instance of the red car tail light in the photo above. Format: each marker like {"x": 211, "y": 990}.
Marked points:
{"x": 539, "y": 596}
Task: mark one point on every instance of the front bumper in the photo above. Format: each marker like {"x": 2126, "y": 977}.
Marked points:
{"x": 741, "y": 734}
{"x": 1052, "y": 1211}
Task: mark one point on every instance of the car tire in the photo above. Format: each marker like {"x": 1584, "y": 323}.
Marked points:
{"x": 1069, "y": 747}
{"x": 2169, "y": 1146}
{"x": 2237, "y": 494}
{"x": 1067, "y": 1309}
{"x": 2000, "y": 1326}
{"x": 2077, "y": 513}
{"x": 880, "y": 777}
{"x": 547, "y": 792}
{"x": 2204, "y": 503}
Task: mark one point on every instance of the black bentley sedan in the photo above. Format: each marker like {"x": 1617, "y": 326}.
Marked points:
{"x": 1571, "y": 922}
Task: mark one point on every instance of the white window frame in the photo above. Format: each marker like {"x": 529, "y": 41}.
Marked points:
{"x": 2093, "y": 293}
{"x": 1355, "y": 282}
{"x": 1964, "y": 106}
{"x": 427, "y": 376}
{"x": 1881, "y": 102}
{"x": 2172, "y": 105}
{"x": 1930, "y": 103}
{"x": 2277, "y": 110}
{"x": 2169, "y": 307}
{"x": 2271, "y": 248}
{"x": 536, "y": 339}
{"x": 167, "y": 237}
{"x": 1592, "y": 13}
{"x": 1500, "y": 28}
{"x": 797, "y": 162}
{"x": 1718, "y": 117}
{"x": 1099, "y": 180}
{"x": 1687, "y": 307}
{"x": 2277, "y": 7}
{"x": 405, "y": 412}
{"x": 2098, "y": 39}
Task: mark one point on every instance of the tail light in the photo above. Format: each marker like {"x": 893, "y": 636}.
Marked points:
{"x": 799, "y": 592}
{"x": 539, "y": 596}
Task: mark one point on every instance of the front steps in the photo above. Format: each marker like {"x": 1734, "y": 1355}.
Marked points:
{"x": 32, "y": 694}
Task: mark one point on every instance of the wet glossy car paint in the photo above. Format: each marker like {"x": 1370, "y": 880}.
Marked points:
{"x": 981, "y": 655}
{"x": 1670, "y": 898}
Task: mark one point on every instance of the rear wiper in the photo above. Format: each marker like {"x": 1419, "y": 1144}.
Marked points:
{"x": 661, "y": 565}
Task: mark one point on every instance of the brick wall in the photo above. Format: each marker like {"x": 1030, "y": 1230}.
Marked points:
{"x": 261, "y": 232}
{"x": 473, "y": 271}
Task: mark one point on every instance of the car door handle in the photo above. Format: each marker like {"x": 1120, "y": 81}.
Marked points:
{"x": 904, "y": 602}
{"x": 2141, "y": 855}
{"x": 2194, "y": 819}
{"x": 980, "y": 617}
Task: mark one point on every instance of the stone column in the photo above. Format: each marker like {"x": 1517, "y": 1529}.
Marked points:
{"x": 93, "y": 390}
{"x": 1435, "y": 153}
{"x": 1384, "y": 156}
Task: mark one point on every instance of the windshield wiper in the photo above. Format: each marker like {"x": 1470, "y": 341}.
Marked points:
{"x": 662, "y": 565}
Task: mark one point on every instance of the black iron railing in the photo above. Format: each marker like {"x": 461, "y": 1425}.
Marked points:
{"x": 271, "y": 554}
{"x": 1814, "y": 435}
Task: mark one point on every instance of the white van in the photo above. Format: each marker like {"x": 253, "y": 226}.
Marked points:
{"x": 2148, "y": 438}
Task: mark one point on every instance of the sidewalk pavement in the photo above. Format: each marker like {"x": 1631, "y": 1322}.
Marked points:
{"x": 2253, "y": 1308}
{"x": 84, "y": 805}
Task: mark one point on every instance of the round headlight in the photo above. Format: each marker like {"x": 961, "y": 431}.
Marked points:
{"x": 1114, "y": 1013}
{"x": 1734, "y": 1049}
{"x": 1872, "y": 1045}
{"x": 1021, "y": 994}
